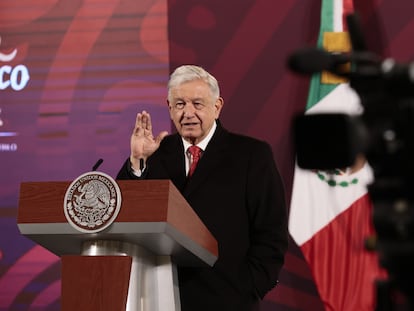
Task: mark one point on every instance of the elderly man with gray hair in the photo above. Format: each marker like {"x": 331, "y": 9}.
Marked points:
{"x": 232, "y": 183}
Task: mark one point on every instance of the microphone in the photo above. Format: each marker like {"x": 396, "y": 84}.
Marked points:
{"x": 368, "y": 73}
{"x": 313, "y": 60}
{"x": 97, "y": 164}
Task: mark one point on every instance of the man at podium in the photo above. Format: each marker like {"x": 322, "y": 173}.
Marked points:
{"x": 232, "y": 183}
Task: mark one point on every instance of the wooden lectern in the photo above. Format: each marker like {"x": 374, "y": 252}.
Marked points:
{"x": 131, "y": 264}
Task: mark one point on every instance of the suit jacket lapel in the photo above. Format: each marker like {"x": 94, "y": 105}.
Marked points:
{"x": 175, "y": 163}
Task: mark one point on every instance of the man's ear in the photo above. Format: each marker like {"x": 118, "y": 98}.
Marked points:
{"x": 218, "y": 104}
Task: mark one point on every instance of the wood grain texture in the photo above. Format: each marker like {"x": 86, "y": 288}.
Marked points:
{"x": 95, "y": 282}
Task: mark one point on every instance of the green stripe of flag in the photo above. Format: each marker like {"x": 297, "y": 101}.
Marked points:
{"x": 317, "y": 90}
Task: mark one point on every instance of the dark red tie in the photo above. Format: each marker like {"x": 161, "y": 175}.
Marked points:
{"x": 195, "y": 156}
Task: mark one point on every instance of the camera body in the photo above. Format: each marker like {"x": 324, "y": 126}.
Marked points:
{"x": 384, "y": 135}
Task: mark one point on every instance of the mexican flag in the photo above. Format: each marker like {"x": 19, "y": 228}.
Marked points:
{"x": 331, "y": 212}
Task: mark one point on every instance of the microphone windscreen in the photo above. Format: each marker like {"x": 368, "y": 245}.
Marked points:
{"x": 310, "y": 60}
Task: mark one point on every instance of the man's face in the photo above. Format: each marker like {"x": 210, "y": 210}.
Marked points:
{"x": 193, "y": 110}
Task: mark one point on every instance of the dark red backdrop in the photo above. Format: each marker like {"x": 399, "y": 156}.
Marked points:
{"x": 245, "y": 44}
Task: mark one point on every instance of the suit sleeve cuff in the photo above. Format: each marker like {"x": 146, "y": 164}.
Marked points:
{"x": 136, "y": 172}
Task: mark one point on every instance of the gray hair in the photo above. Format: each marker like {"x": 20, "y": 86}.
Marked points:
{"x": 187, "y": 73}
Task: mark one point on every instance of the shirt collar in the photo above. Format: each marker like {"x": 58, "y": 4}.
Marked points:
{"x": 202, "y": 144}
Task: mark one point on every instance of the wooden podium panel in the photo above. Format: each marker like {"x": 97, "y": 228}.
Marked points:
{"x": 95, "y": 283}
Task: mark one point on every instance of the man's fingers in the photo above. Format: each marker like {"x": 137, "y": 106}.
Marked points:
{"x": 143, "y": 124}
{"x": 146, "y": 121}
{"x": 138, "y": 120}
{"x": 138, "y": 124}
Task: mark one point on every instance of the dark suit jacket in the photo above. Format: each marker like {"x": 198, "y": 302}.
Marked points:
{"x": 237, "y": 192}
